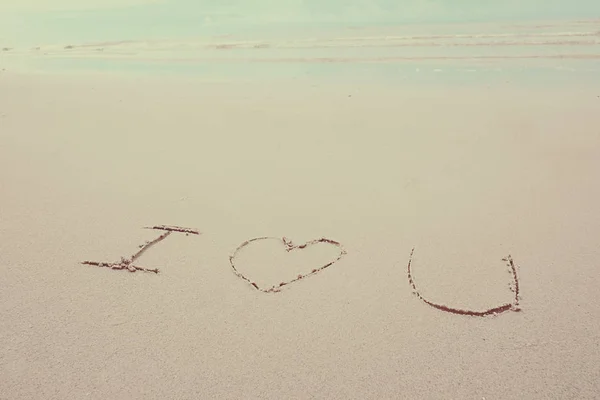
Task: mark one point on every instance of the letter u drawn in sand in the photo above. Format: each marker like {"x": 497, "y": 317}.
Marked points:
{"x": 514, "y": 306}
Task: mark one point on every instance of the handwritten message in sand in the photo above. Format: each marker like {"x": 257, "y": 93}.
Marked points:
{"x": 289, "y": 246}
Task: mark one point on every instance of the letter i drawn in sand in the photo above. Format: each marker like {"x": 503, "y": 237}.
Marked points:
{"x": 514, "y": 287}
{"x": 127, "y": 263}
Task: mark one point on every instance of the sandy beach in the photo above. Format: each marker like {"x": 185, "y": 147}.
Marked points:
{"x": 464, "y": 174}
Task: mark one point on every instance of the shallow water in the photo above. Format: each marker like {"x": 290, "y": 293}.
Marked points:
{"x": 462, "y": 53}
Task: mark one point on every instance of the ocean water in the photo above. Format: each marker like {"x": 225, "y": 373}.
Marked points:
{"x": 227, "y": 43}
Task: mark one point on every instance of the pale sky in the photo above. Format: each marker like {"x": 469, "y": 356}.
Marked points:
{"x": 58, "y": 5}
{"x": 43, "y": 21}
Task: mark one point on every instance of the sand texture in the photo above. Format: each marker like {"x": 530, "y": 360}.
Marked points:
{"x": 496, "y": 188}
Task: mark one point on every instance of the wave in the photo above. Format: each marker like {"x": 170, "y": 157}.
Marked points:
{"x": 577, "y": 40}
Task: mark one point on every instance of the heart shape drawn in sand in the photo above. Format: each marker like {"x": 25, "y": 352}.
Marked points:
{"x": 514, "y": 287}
{"x": 289, "y": 246}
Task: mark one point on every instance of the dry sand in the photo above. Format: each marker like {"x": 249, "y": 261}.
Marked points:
{"x": 466, "y": 175}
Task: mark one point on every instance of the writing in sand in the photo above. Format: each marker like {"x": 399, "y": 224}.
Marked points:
{"x": 128, "y": 264}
